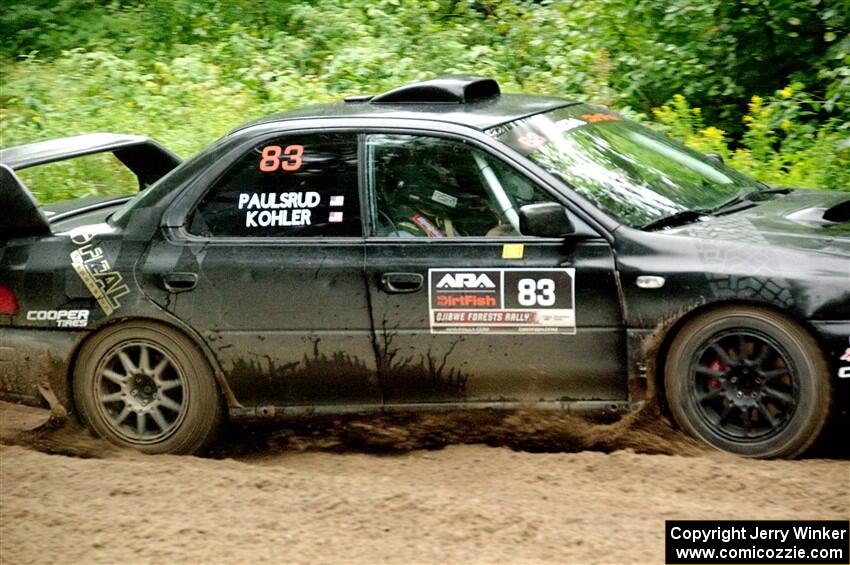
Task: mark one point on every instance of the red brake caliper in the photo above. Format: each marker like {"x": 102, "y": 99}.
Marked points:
{"x": 716, "y": 365}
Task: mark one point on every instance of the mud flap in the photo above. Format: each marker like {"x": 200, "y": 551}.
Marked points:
{"x": 58, "y": 412}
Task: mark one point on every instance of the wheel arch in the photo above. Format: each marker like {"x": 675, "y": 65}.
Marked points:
{"x": 663, "y": 339}
{"x": 68, "y": 394}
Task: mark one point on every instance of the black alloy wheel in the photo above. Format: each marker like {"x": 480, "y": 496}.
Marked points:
{"x": 749, "y": 380}
{"x": 744, "y": 385}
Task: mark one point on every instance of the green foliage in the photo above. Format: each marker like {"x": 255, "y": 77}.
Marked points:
{"x": 187, "y": 71}
{"x": 718, "y": 54}
{"x": 780, "y": 146}
{"x": 100, "y": 174}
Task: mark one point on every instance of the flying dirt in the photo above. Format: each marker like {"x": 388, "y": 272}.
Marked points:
{"x": 472, "y": 488}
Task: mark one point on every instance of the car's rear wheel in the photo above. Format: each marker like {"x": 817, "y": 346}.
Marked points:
{"x": 143, "y": 385}
{"x": 748, "y": 380}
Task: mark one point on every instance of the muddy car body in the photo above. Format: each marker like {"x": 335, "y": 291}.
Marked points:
{"x": 338, "y": 259}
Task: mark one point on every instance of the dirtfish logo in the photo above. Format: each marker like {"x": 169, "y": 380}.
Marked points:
{"x": 465, "y": 281}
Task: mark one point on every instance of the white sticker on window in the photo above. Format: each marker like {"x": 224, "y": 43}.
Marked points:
{"x": 444, "y": 198}
{"x": 337, "y": 200}
{"x": 568, "y": 123}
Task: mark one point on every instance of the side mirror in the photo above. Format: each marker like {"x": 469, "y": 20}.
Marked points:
{"x": 547, "y": 219}
{"x": 716, "y": 158}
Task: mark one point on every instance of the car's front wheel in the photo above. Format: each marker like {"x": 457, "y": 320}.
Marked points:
{"x": 146, "y": 386}
{"x": 748, "y": 380}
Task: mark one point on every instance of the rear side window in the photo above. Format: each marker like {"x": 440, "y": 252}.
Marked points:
{"x": 299, "y": 185}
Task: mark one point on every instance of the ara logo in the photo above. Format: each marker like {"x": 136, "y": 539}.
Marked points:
{"x": 465, "y": 280}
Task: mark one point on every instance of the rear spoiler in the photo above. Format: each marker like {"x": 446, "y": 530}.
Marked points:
{"x": 145, "y": 158}
{"x": 22, "y": 215}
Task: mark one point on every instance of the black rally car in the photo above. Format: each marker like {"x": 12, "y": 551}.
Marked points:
{"x": 438, "y": 246}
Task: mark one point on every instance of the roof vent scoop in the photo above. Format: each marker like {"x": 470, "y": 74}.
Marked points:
{"x": 456, "y": 89}
{"x": 839, "y": 213}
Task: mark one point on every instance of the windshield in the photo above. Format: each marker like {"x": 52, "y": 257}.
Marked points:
{"x": 634, "y": 174}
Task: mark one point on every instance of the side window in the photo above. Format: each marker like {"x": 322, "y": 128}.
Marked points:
{"x": 433, "y": 187}
{"x": 299, "y": 185}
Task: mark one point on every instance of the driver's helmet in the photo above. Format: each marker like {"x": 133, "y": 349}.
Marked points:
{"x": 432, "y": 184}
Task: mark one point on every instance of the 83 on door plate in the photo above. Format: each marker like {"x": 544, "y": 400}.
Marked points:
{"x": 502, "y": 301}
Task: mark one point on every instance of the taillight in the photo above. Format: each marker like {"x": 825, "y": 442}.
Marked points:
{"x": 8, "y": 302}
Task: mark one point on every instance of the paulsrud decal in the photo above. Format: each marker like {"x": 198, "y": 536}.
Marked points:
{"x": 105, "y": 284}
{"x": 286, "y": 209}
{"x": 502, "y": 301}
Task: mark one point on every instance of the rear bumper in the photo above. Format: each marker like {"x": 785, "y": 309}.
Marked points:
{"x": 29, "y": 357}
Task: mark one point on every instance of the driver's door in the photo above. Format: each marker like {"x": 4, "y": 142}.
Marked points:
{"x": 465, "y": 308}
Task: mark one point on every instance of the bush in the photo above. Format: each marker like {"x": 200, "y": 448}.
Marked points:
{"x": 779, "y": 147}
{"x": 187, "y": 71}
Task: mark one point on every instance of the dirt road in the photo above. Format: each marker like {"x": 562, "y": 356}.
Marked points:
{"x": 322, "y": 494}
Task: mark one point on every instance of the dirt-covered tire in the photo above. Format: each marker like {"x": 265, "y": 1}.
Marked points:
{"x": 748, "y": 380}
{"x": 143, "y": 385}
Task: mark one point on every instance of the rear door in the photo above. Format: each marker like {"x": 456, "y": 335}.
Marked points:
{"x": 269, "y": 269}
{"x": 465, "y": 308}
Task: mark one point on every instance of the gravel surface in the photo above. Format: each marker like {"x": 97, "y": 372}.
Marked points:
{"x": 379, "y": 491}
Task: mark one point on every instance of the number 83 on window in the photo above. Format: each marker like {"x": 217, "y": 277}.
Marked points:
{"x": 274, "y": 158}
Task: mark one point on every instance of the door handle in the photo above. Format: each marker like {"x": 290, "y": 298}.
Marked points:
{"x": 179, "y": 282}
{"x": 399, "y": 283}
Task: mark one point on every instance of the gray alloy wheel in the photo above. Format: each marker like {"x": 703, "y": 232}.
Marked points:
{"x": 144, "y": 385}
{"x": 141, "y": 392}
